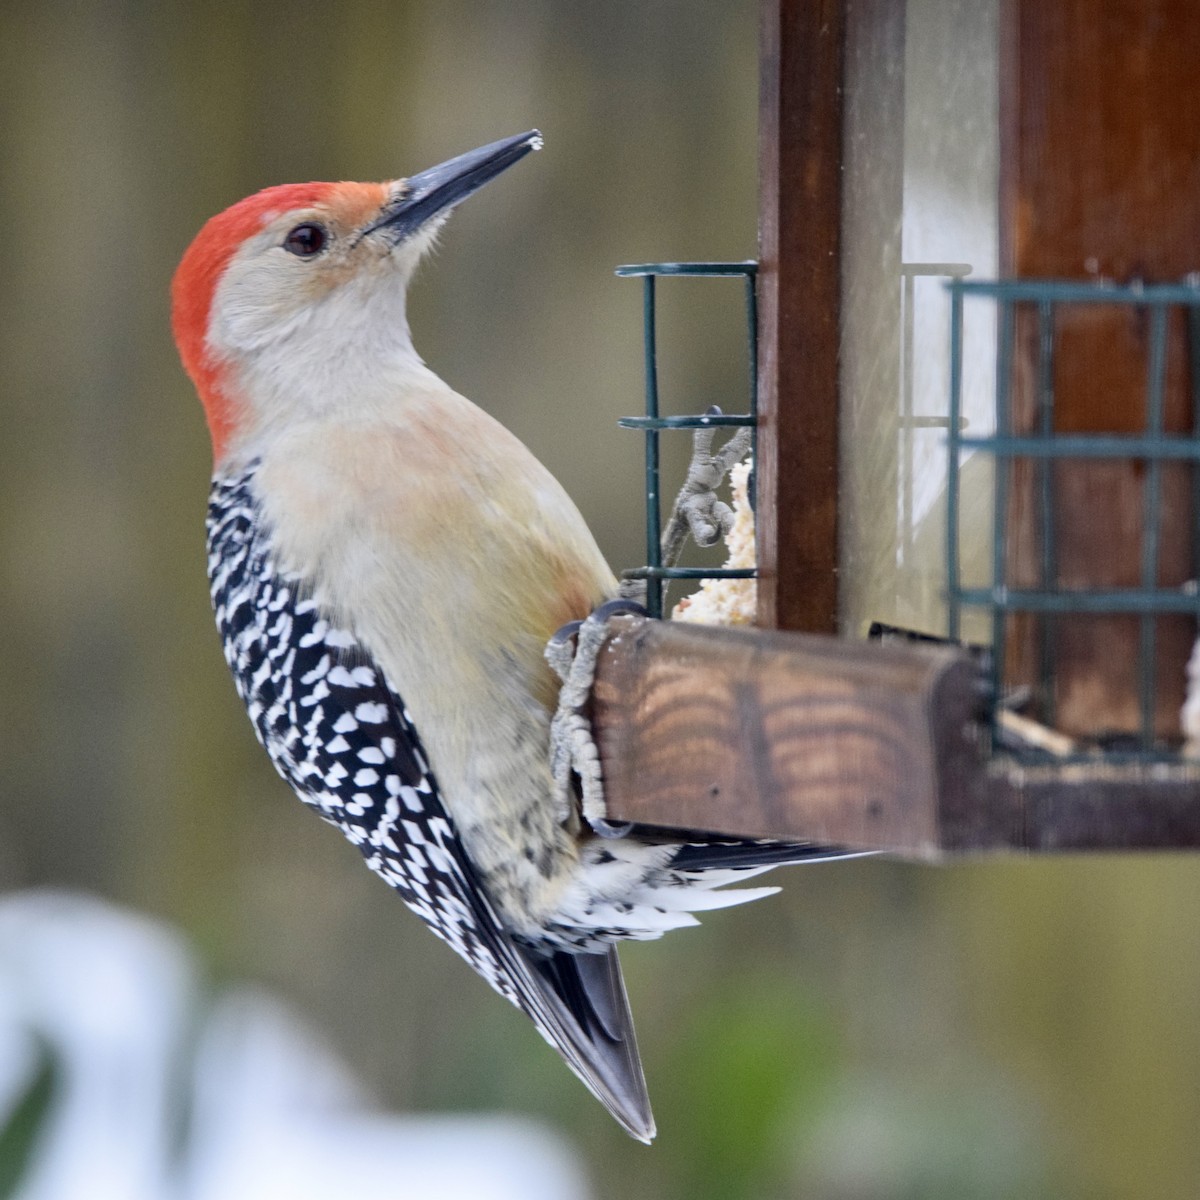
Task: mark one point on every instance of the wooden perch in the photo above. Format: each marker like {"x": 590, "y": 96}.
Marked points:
{"x": 777, "y": 734}
{"x": 768, "y": 734}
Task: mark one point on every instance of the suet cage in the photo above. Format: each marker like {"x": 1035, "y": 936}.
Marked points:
{"x": 1042, "y": 598}
{"x": 653, "y": 423}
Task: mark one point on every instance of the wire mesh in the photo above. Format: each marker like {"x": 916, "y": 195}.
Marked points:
{"x": 655, "y": 573}
{"x": 1044, "y": 447}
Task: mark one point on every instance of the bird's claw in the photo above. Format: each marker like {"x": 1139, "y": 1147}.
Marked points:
{"x": 697, "y": 510}
{"x": 572, "y": 653}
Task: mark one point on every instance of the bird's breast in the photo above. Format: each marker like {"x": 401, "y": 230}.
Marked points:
{"x": 452, "y": 555}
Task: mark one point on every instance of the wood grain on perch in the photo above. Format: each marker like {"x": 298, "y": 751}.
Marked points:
{"x": 769, "y": 734}
{"x": 774, "y": 734}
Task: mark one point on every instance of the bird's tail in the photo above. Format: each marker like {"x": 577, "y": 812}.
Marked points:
{"x": 636, "y": 887}
{"x": 736, "y": 854}
{"x": 639, "y": 887}
{"x": 582, "y": 1010}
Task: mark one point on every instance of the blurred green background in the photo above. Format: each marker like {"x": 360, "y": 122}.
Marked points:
{"x": 993, "y": 1029}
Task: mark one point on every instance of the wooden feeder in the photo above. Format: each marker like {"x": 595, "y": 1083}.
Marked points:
{"x": 1026, "y": 481}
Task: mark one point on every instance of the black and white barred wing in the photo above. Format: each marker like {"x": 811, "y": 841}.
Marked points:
{"x": 339, "y": 734}
{"x": 395, "y": 815}
{"x": 371, "y": 779}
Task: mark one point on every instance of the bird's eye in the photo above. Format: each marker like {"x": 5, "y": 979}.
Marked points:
{"x": 306, "y": 240}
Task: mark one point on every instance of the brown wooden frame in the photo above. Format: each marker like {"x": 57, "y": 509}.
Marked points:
{"x": 800, "y": 196}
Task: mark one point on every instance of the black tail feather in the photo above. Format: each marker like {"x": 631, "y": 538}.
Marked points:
{"x": 725, "y": 853}
{"x": 581, "y": 981}
{"x": 585, "y": 1011}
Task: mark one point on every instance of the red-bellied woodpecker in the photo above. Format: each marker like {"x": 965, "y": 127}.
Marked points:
{"x": 387, "y": 564}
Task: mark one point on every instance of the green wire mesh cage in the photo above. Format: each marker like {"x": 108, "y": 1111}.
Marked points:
{"x": 655, "y": 573}
{"x": 1032, "y": 311}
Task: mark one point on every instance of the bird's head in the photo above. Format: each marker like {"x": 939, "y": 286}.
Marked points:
{"x": 293, "y": 299}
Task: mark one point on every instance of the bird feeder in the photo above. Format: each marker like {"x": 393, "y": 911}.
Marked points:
{"x": 977, "y": 422}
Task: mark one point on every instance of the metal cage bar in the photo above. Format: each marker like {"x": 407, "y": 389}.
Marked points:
{"x": 1193, "y": 339}
{"x": 1045, "y": 470}
{"x": 1003, "y": 426}
{"x": 653, "y": 423}
{"x": 1152, "y": 509}
{"x": 955, "y": 442}
{"x": 1048, "y": 602}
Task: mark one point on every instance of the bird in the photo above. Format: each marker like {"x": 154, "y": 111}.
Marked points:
{"x": 387, "y": 564}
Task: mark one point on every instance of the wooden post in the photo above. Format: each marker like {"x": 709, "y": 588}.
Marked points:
{"x": 800, "y": 154}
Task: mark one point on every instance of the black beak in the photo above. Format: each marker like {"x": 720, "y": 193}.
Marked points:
{"x": 442, "y": 187}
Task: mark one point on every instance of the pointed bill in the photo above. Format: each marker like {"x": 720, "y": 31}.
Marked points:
{"x": 442, "y": 187}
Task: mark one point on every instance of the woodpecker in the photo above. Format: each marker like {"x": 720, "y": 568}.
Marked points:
{"x": 387, "y": 564}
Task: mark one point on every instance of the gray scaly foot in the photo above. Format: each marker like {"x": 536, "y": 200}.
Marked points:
{"x": 573, "y": 652}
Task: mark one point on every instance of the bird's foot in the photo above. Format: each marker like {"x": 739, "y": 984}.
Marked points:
{"x": 572, "y": 652}
{"x": 697, "y": 510}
